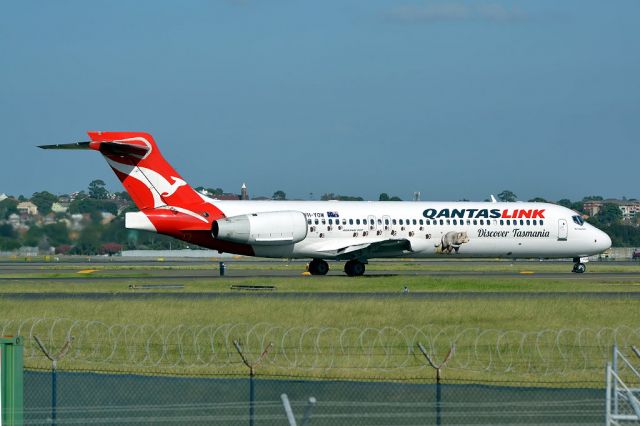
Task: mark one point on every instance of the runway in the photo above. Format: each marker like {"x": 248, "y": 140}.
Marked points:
{"x": 396, "y": 296}
{"x": 148, "y": 280}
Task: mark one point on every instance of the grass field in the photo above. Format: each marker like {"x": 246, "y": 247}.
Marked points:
{"x": 518, "y": 314}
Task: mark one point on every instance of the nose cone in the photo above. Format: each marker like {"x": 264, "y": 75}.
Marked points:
{"x": 603, "y": 241}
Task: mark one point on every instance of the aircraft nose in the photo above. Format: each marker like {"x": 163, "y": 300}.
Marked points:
{"x": 603, "y": 240}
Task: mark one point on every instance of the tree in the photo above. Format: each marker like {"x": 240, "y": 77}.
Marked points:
{"x": 538, "y": 200}
{"x": 57, "y": 233}
{"x": 385, "y": 197}
{"x": 565, "y": 202}
{"x": 331, "y": 196}
{"x": 210, "y": 191}
{"x": 7, "y": 231}
{"x": 43, "y": 200}
{"x": 592, "y": 198}
{"x": 279, "y": 195}
{"x": 507, "y": 196}
{"x": 609, "y": 214}
{"x": 8, "y": 207}
{"x": 90, "y": 205}
{"x": 97, "y": 190}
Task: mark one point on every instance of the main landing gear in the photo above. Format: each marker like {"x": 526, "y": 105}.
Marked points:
{"x": 578, "y": 267}
{"x": 318, "y": 267}
{"x": 354, "y": 268}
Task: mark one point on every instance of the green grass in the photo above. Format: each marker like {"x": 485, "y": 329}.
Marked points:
{"x": 545, "y": 359}
{"x": 311, "y": 284}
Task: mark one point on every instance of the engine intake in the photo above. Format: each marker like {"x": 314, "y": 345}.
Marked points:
{"x": 267, "y": 228}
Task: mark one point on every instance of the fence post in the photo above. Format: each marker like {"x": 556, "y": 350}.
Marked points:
{"x": 614, "y": 385}
{"x": 252, "y": 372}
{"x": 11, "y": 381}
{"x": 438, "y": 369}
{"x": 54, "y": 367}
{"x": 289, "y": 412}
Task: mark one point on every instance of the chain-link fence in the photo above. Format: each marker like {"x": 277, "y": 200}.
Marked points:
{"x": 204, "y": 374}
{"x": 85, "y": 398}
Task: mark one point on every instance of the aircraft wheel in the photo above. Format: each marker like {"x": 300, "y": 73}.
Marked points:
{"x": 354, "y": 268}
{"x": 579, "y": 268}
{"x": 318, "y": 267}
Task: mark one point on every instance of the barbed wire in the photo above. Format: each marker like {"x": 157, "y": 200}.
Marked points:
{"x": 313, "y": 348}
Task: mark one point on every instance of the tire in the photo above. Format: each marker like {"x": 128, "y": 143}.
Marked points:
{"x": 580, "y": 268}
{"x": 354, "y": 268}
{"x": 318, "y": 267}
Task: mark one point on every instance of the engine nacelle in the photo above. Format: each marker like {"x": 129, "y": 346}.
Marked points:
{"x": 268, "y": 228}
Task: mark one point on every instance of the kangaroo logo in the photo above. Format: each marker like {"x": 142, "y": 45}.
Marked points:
{"x": 177, "y": 183}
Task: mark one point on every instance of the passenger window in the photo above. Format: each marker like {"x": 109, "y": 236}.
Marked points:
{"x": 344, "y": 221}
{"x": 481, "y": 221}
{"x": 455, "y": 221}
{"x": 309, "y": 222}
{"x": 535, "y": 222}
{"x": 528, "y": 222}
{"x": 350, "y": 221}
{"x": 386, "y": 221}
{"x": 317, "y": 221}
{"x": 541, "y": 222}
{"x": 394, "y": 221}
{"x": 357, "y": 221}
{"x": 379, "y": 221}
{"x": 324, "y": 222}
{"x": 475, "y": 221}
{"x": 401, "y": 222}
{"x": 421, "y": 222}
{"x": 468, "y": 221}
{"x": 441, "y": 222}
{"x": 521, "y": 222}
{"x": 415, "y": 222}
{"x": 501, "y": 222}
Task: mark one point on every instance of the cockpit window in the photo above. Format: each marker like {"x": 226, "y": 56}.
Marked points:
{"x": 578, "y": 220}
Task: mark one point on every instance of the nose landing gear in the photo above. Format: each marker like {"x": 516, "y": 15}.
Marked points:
{"x": 578, "y": 266}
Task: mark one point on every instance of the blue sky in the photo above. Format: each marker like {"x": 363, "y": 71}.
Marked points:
{"x": 454, "y": 99}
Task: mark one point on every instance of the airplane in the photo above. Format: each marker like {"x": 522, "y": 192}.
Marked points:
{"x": 350, "y": 231}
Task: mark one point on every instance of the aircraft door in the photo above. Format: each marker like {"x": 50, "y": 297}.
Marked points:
{"x": 563, "y": 230}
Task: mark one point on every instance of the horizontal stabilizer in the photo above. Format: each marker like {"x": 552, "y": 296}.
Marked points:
{"x": 77, "y": 145}
{"x": 120, "y": 148}
{"x": 106, "y": 147}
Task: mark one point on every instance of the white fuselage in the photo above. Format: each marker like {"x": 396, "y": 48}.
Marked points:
{"x": 369, "y": 229}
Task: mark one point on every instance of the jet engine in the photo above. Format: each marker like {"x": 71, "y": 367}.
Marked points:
{"x": 268, "y": 228}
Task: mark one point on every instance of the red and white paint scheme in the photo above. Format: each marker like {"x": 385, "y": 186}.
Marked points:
{"x": 337, "y": 230}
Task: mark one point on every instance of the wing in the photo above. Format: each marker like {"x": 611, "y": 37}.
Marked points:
{"x": 345, "y": 249}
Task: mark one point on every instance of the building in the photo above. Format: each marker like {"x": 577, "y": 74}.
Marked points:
{"x": 27, "y": 207}
{"x": 244, "y": 194}
{"x": 630, "y": 208}
{"x": 58, "y": 207}
{"x": 3, "y": 196}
